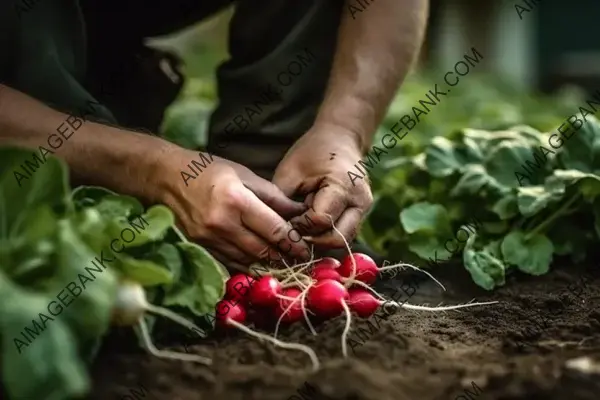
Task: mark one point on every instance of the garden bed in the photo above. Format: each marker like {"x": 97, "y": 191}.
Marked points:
{"x": 516, "y": 349}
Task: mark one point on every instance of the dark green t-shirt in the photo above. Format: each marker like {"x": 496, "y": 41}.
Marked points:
{"x": 43, "y": 54}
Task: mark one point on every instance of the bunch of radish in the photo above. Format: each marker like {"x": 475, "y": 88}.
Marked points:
{"x": 328, "y": 289}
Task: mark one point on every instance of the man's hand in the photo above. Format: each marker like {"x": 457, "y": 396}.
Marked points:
{"x": 318, "y": 164}
{"x": 238, "y": 216}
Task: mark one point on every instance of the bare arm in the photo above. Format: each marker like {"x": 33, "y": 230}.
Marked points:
{"x": 376, "y": 48}
{"x": 222, "y": 205}
{"x": 96, "y": 154}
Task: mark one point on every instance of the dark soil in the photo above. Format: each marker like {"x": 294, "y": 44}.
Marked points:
{"x": 516, "y": 349}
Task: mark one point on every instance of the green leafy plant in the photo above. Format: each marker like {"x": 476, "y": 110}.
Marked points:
{"x": 471, "y": 174}
{"x": 48, "y": 236}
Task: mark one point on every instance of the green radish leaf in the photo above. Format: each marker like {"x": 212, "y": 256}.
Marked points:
{"x": 49, "y": 367}
{"x": 533, "y": 199}
{"x": 531, "y": 256}
{"x": 427, "y": 246}
{"x": 47, "y": 186}
{"x": 117, "y": 206}
{"x": 144, "y": 272}
{"x": 506, "y": 207}
{"x": 441, "y": 158}
{"x": 486, "y": 270}
{"x": 151, "y": 226}
{"x": 202, "y": 282}
{"x": 425, "y": 217}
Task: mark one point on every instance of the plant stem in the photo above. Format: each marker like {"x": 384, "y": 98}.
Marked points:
{"x": 180, "y": 234}
{"x": 551, "y": 218}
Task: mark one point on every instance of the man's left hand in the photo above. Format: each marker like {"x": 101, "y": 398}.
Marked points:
{"x": 317, "y": 167}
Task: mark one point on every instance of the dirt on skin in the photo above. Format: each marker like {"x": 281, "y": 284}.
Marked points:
{"x": 516, "y": 349}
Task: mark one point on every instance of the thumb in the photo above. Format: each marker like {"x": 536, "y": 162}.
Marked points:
{"x": 272, "y": 196}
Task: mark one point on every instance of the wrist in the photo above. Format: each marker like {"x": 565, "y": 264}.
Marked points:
{"x": 131, "y": 162}
{"x": 355, "y": 140}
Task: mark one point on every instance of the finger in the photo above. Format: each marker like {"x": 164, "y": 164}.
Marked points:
{"x": 347, "y": 225}
{"x": 266, "y": 223}
{"x": 253, "y": 246}
{"x": 328, "y": 205}
{"x": 272, "y": 196}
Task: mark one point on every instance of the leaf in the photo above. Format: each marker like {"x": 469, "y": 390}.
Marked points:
{"x": 533, "y": 199}
{"x": 486, "y": 270}
{"x": 49, "y": 367}
{"x": 425, "y": 217}
{"x": 532, "y": 256}
{"x": 153, "y": 226}
{"x": 116, "y": 206}
{"x": 427, "y": 246}
{"x": 506, "y": 158}
{"x": 506, "y": 207}
{"x": 202, "y": 282}
{"x": 144, "y": 272}
{"x": 46, "y": 186}
{"x": 581, "y": 149}
{"x": 441, "y": 158}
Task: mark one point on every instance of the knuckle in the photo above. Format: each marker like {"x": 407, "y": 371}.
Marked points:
{"x": 279, "y": 230}
{"x": 213, "y": 220}
{"x": 232, "y": 196}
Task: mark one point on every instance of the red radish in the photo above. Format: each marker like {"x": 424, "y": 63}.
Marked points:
{"x": 238, "y": 286}
{"x": 329, "y": 262}
{"x": 366, "y": 269}
{"x": 325, "y": 272}
{"x": 227, "y": 311}
{"x": 264, "y": 292}
{"x": 362, "y": 302}
{"x": 294, "y": 313}
{"x": 326, "y": 298}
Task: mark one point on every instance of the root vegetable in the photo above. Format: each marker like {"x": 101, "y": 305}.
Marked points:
{"x": 238, "y": 287}
{"x": 325, "y": 298}
{"x": 264, "y": 291}
{"x": 284, "y": 311}
{"x": 226, "y": 311}
{"x": 366, "y": 269}
{"x": 362, "y": 302}
{"x": 328, "y": 262}
{"x": 325, "y": 272}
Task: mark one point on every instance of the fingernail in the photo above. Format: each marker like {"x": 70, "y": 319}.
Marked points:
{"x": 308, "y": 238}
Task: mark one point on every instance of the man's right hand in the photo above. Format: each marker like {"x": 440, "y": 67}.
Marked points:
{"x": 238, "y": 216}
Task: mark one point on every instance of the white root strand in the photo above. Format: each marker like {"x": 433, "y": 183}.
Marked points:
{"x": 297, "y": 346}
{"x": 346, "y": 329}
{"x": 446, "y": 308}
{"x": 303, "y": 306}
{"x": 164, "y": 312}
{"x": 172, "y": 355}
{"x": 353, "y": 274}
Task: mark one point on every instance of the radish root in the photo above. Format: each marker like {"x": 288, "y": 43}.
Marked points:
{"x": 172, "y": 355}
{"x": 297, "y": 346}
{"x": 346, "y": 329}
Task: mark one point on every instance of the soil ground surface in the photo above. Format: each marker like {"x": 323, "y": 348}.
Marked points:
{"x": 517, "y": 349}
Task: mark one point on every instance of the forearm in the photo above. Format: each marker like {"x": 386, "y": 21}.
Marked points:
{"x": 375, "y": 51}
{"x": 96, "y": 154}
